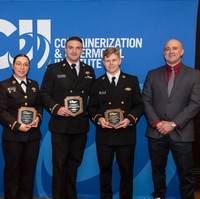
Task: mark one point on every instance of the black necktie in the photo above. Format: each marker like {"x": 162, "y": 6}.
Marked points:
{"x": 23, "y": 85}
{"x": 113, "y": 82}
{"x": 73, "y": 68}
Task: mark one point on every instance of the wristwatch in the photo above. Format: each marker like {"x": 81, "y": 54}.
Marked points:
{"x": 173, "y": 125}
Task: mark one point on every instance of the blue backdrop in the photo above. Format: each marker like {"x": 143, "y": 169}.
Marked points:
{"x": 138, "y": 28}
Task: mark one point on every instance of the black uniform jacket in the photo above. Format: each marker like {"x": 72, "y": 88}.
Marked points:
{"x": 12, "y": 97}
{"x": 60, "y": 82}
{"x": 125, "y": 96}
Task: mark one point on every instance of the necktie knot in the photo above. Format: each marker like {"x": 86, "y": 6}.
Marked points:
{"x": 23, "y": 83}
{"x": 73, "y": 66}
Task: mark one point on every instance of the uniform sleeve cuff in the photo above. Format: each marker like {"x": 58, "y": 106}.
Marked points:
{"x": 96, "y": 118}
{"x": 154, "y": 123}
{"x": 54, "y": 109}
{"x": 132, "y": 118}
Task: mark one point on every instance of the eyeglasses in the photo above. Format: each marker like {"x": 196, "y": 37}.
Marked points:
{"x": 21, "y": 64}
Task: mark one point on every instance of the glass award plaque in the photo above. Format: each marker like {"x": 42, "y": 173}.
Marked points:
{"x": 26, "y": 115}
{"x": 74, "y": 104}
{"x": 114, "y": 116}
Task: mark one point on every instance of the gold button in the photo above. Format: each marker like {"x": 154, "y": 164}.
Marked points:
{"x": 26, "y": 104}
{"x": 122, "y": 102}
{"x": 109, "y": 103}
{"x": 10, "y": 125}
{"x": 25, "y": 96}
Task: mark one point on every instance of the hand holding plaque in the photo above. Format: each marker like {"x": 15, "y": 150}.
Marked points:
{"x": 74, "y": 104}
{"x": 26, "y": 115}
{"x": 114, "y": 116}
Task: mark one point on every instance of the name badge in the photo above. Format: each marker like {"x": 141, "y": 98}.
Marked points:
{"x": 102, "y": 92}
{"x": 61, "y": 76}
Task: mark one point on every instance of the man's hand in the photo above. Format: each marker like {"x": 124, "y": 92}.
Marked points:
{"x": 123, "y": 124}
{"x": 165, "y": 127}
{"x": 35, "y": 123}
{"x": 104, "y": 124}
{"x": 63, "y": 111}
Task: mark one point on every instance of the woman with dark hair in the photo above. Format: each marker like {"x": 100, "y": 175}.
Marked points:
{"x": 20, "y": 114}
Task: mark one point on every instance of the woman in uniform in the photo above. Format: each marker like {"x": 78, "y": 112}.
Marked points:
{"x": 20, "y": 114}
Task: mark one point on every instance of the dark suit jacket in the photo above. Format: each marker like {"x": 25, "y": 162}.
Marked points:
{"x": 12, "y": 97}
{"x": 181, "y": 107}
{"x": 60, "y": 82}
{"x": 125, "y": 96}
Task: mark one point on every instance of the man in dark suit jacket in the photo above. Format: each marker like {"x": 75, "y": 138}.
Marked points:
{"x": 69, "y": 77}
{"x": 171, "y": 97}
{"x": 115, "y": 90}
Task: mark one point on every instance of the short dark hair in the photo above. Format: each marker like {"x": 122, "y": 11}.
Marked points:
{"x": 21, "y": 55}
{"x": 74, "y": 38}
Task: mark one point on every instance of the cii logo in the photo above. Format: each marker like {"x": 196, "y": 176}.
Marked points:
{"x": 30, "y": 37}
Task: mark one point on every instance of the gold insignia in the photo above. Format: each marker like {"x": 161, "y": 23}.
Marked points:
{"x": 64, "y": 64}
{"x": 88, "y": 77}
{"x": 123, "y": 76}
{"x": 103, "y": 78}
{"x": 29, "y": 81}
{"x": 33, "y": 89}
{"x": 11, "y": 89}
{"x": 87, "y": 72}
{"x": 14, "y": 82}
{"x": 128, "y": 89}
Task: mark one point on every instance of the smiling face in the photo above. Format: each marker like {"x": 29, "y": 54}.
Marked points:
{"x": 21, "y": 67}
{"x": 112, "y": 63}
{"x": 173, "y": 52}
{"x": 73, "y": 50}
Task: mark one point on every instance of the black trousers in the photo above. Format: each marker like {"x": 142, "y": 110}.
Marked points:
{"x": 19, "y": 172}
{"x": 67, "y": 151}
{"x": 125, "y": 161}
{"x": 182, "y": 155}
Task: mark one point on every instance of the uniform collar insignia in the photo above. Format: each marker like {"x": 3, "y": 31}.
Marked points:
{"x": 87, "y": 72}
{"x": 14, "y": 82}
{"x": 33, "y": 89}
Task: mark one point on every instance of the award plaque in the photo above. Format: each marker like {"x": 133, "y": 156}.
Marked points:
{"x": 114, "y": 116}
{"x": 26, "y": 115}
{"x": 74, "y": 104}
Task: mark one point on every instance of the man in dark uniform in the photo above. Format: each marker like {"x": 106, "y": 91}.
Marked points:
{"x": 21, "y": 138}
{"x": 69, "y": 77}
{"x": 115, "y": 90}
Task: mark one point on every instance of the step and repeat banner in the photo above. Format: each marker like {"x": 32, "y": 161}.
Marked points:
{"x": 138, "y": 28}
